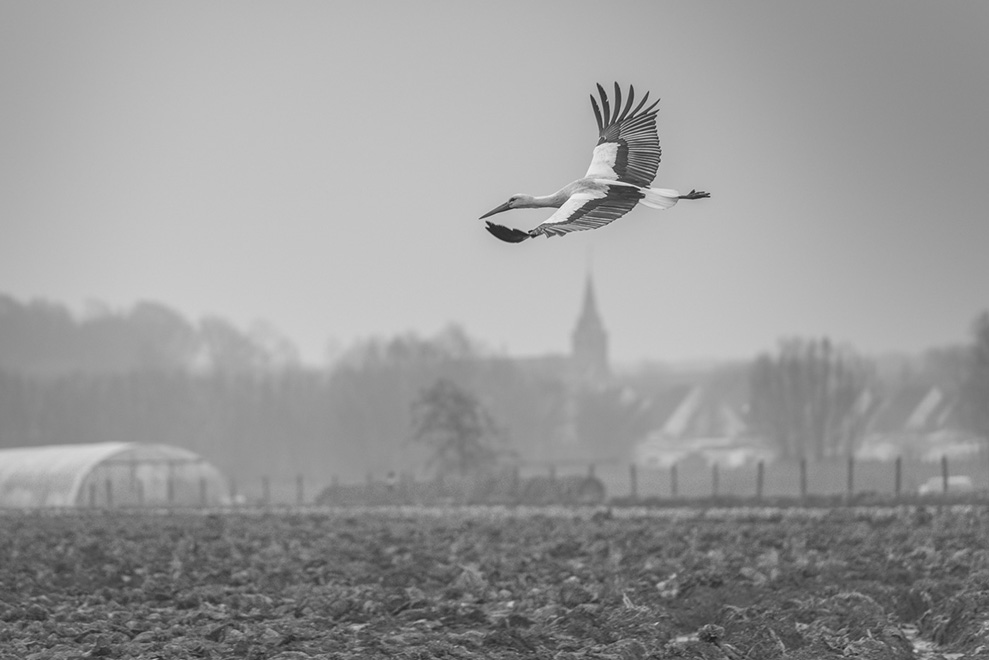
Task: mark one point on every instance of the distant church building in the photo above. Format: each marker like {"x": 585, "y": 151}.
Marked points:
{"x": 589, "y": 341}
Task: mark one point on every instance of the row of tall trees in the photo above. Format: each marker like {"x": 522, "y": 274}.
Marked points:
{"x": 44, "y": 338}
{"x": 809, "y": 399}
{"x": 812, "y": 399}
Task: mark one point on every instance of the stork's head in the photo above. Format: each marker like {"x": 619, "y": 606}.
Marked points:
{"x": 518, "y": 201}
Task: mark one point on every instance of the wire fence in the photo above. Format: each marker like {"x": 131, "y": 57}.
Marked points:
{"x": 546, "y": 483}
{"x": 682, "y": 481}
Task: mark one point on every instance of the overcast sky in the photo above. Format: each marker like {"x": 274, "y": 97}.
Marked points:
{"x": 322, "y": 166}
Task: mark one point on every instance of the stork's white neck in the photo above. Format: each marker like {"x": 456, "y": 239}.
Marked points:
{"x": 552, "y": 201}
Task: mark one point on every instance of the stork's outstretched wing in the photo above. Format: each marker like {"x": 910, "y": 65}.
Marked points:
{"x": 587, "y": 209}
{"x": 628, "y": 148}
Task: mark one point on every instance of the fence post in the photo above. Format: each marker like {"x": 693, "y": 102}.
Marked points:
{"x": 803, "y": 478}
{"x": 140, "y": 492}
{"x": 233, "y": 491}
{"x": 300, "y": 491}
{"x": 92, "y": 495}
{"x": 109, "y": 493}
{"x": 760, "y": 478}
{"x": 202, "y": 491}
{"x": 898, "y": 476}
{"x": 674, "y": 486}
{"x": 714, "y": 480}
{"x": 850, "y": 488}
{"x": 633, "y": 482}
{"x": 944, "y": 472}
{"x": 265, "y": 491}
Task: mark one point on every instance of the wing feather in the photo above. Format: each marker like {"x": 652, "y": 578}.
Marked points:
{"x": 605, "y": 107}
{"x": 628, "y": 146}
{"x": 628, "y": 104}
{"x": 618, "y": 103}
{"x": 597, "y": 113}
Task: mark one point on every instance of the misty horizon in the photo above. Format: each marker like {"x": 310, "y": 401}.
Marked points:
{"x": 283, "y": 352}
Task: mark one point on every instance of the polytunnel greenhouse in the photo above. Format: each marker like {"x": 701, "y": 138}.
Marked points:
{"x": 106, "y": 475}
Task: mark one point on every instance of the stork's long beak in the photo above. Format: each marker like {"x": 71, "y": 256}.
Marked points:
{"x": 503, "y": 207}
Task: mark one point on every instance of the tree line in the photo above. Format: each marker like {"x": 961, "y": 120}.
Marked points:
{"x": 241, "y": 399}
{"x": 44, "y": 338}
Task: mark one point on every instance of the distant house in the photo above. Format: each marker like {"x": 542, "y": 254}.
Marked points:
{"x": 701, "y": 423}
{"x": 917, "y": 422}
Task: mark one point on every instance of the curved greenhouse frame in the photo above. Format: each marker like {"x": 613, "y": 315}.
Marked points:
{"x": 108, "y": 474}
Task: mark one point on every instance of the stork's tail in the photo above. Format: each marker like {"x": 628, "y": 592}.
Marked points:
{"x": 507, "y": 234}
{"x": 666, "y": 198}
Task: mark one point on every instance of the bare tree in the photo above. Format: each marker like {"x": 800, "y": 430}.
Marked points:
{"x": 457, "y": 427}
{"x": 809, "y": 398}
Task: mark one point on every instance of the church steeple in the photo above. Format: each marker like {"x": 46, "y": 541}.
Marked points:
{"x": 590, "y": 340}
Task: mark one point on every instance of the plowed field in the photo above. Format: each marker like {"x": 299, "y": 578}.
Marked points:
{"x": 494, "y": 583}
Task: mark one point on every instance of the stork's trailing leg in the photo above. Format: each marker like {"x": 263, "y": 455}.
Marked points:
{"x": 507, "y": 234}
{"x": 695, "y": 194}
{"x": 666, "y": 198}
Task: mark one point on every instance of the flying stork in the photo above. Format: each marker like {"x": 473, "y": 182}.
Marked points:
{"x": 622, "y": 168}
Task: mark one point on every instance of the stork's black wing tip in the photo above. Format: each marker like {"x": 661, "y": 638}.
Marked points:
{"x": 506, "y": 234}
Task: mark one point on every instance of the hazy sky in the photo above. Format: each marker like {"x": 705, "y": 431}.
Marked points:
{"x": 322, "y": 166}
